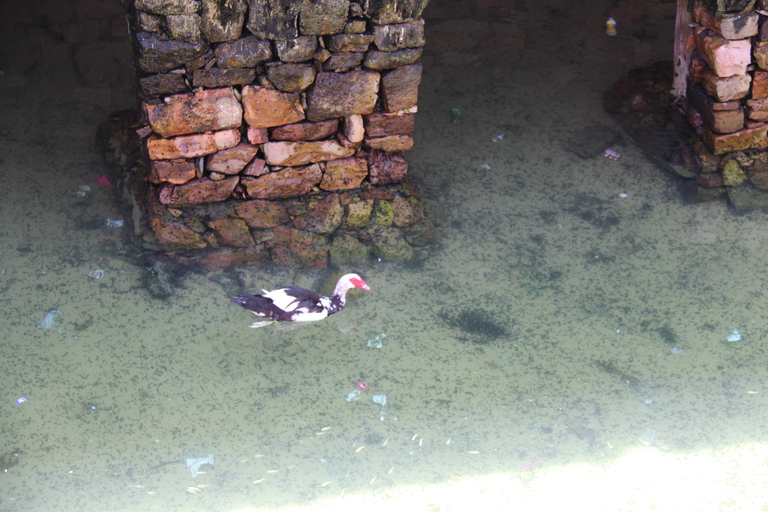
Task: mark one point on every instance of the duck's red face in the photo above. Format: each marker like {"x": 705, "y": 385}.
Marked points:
{"x": 359, "y": 283}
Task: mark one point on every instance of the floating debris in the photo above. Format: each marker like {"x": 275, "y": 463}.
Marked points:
{"x": 375, "y": 342}
{"x": 81, "y": 191}
{"x": 455, "y": 115}
{"x": 382, "y": 400}
{"x": 96, "y": 274}
{"x": 21, "y": 400}
{"x": 355, "y": 395}
{"x": 498, "y": 137}
{"x": 114, "y": 223}
{"x": 50, "y": 319}
{"x": 648, "y": 437}
{"x": 611, "y": 154}
{"x": 733, "y": 337}
{"x": 194, "y": 464}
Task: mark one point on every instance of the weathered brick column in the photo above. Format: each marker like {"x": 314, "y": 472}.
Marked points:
{"x": 275, "y": 130}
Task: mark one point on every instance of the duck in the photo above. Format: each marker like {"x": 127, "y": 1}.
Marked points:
{"x": 292, "y": 304}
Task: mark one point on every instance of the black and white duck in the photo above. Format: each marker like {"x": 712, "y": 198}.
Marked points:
{"x": 292, "y": 304}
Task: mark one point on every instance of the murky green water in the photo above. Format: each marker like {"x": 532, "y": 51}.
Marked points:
{"x": 524, "y": 356}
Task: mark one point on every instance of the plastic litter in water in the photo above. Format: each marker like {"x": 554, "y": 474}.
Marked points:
{"x": 103, "y": 180}
{"x": 734, "y": 336}
{"x": 610, "y": 27}
{"x": 376, "y": 342}
{"x": 648, "y": 437}
{"x": 193, "y": 465}
{"x": 50, "y": 319}
{"x": 21, "y": 400}
{"x": 382, "y": 400}
{"x": 355, "y": 395}
{"x": 676, "y": 350}
{"x": 115, "y": 223}
{"x": 455, "y": 115}
{"x": 611, "y": 154}
{"x": 498, "y": 137}
{"x": 81, "y": 191}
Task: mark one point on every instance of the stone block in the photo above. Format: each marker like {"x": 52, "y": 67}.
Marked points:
{"x": 223, "y": 20}
{"x": 286, "y": 183}
{"x": 757, "y": 110}
{"x": 306, "y": 131}
{"x": 390, "y": 143}
{"x": 760, "y": 53}
{"x": 299, "y": 49}
{"x": 726, "y": 7}
{"x": 260, "y": 214}
{"x": 382, "y": 124}
{"x": 175, "y": 236}
{"x": 191, "y": 146}
{"x": 176, "y": 172}
{"x": 324, "y": 218}
{"x": 218, "y": 77}
{"x": 232, "y": 160}
{"x": 291, "y": 77}
{"x": 402, "y": 35}
{"x": 354, "y": 129}
{"x": 740, "y": 26}
{"x": 301, "y": 153}
{"x": 400, "y": 87}
{"x": 257, "y": 135}
{"x": 256, "y": 167}
{"x": 749, "y": 138}
{"x": 760, "y": 84}
{"x": 715, "y": 117}
{"x": 156, "y": 55}
{"x": 183, "y": 27}
{"x": 157, "y": 85}
{"x": 359, "y": 213}
{"x": 725, "y": 58}
{"x": 726, "y": 89}
{"x": 342, "y": 94}
{"x": 387, "y": 60}
{"x": 349, "y": 42}
{"x": 232, "y": 232}
{"x": 199, "y": 191}
{"x": 343, "y": 61}
{"x": 385, "y": 12}
{"x": 246, "y": 52}
{"x": 344, "y": 173}
{"x": 182, "y": 114}
{"x": 265, "y": 108}
{"x": 384, "y": 168}
{"x": 323, "y": 17}
{"x": 165, "y": 7}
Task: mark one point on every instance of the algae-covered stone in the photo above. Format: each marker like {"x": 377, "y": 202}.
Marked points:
{"x": 733, "y": 174}
{"x": 421, "y": 233}
{"x": 405, "y": 212}
{"x": 390, "y": 244}
{"x": 359, "y": 213}
{"x": 384, "y": 215}
{"x": 348, "y": 250}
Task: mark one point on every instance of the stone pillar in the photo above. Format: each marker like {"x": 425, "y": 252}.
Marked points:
{"x": 275, "y": 129}
{"x": 727, "y": 96}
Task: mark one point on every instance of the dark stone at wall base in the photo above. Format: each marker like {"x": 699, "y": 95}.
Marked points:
{"x": 158, "y": 56}
{"x": 168, "y": 83}
{"x": 223, "y": 19}
{"x": 246, "y": 52}
{"x": 323, "y": 17}
{"x": 342, "y": 94}
{"x": 384, "y": 12}
{"x": 386, "y": 168}
{"x": 218, "y": 77}
{"x": 747, "y": 198}
{"x": 273, "y": 19}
